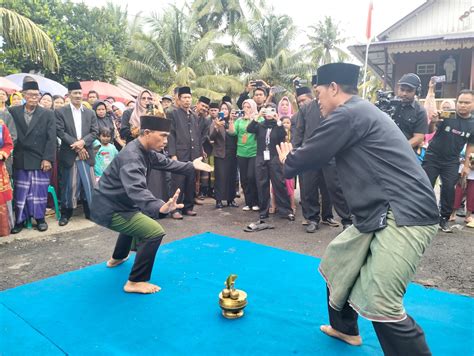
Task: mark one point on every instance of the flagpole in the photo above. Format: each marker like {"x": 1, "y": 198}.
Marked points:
{"x": 365, "y": 68}
{"x": 368, "y": 35}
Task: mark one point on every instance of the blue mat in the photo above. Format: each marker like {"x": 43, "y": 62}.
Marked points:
{"x": 86, "y": 312}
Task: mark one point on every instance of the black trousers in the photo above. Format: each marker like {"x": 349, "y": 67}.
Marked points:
{"x": 312, "y": 184}
{"x": 144, "y": 259}
{"x": 225, "y": 173}
{"x": 247, "y": 180}
{"x": 448, "y": 172}
{"x": 334, "y": 188}
{"x": 187, "y": 186}
{"x": 271, "y": 171}
{"x": 399, "y": 338}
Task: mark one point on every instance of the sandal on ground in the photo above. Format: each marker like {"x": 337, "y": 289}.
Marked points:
{"x": 258, "y": 226}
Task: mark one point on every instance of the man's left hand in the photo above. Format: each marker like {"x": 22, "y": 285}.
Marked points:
{"x": 465, "y": 171}
{"x": 201, "y": 166}
{"x": 45, "y": 165}
{"x": 78, "y": 145}
{"x": 284, "y": 150}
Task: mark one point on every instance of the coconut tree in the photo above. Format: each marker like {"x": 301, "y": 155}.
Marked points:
{"x": 173, "y": 54}
{"x": 267, "y": 52}
{"x": 325, "y": 43}
{"x": 22, "y": 33}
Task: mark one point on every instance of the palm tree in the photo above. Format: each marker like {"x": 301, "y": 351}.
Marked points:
{"x": 325, "y": 43}
{"x": 20, "y": 32}
{"x": 173, "y": 54}
{"x": 266, "y": 51}
{"x": 226, "y": 15}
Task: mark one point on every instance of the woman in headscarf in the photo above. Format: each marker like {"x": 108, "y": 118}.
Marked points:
{"x": 6, "y": 195}
{"x": 46, "y": 101}
{"x": 285, "y": 108}
{"x": 16, "y": 99}
{"x": 246, "y": 152}
{"x": 130, "y": 127}
{"x": 222, "y": 132}
{"x": 103, "y": 120}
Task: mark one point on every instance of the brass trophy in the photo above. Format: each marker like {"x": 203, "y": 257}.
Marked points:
{"x": 232, "y": 301}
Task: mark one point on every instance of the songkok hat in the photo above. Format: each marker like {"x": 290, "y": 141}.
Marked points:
{"x": 302, "y": 91}
{"x": 204, "y": 100}
{"x": 154, "y": 123}
{"x": 30, "y": 86}
{"x": 74, "y": 86}
{"x": 226, "y": 99}
{"x": 314, "y": 79}
{"x": 339, "y": 73}
{"x": 184, "y": 90}
{"x": 214, "y": 106}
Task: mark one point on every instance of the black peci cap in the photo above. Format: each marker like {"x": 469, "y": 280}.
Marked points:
{"x": 339, "y": 73}
{"x": 33, "y": 85}
{"x": 74, "y": 86}
{"x": 302, "y": 91}
{"x": 155, "y": 123}
{"x": 204, "y": 100}
{"x": 184, "y": 90}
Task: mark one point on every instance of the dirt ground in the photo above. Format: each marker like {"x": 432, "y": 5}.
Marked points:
{"x": 31, "y": 255}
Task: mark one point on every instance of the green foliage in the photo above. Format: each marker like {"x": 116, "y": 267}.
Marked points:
{"x": 88, "y": 41}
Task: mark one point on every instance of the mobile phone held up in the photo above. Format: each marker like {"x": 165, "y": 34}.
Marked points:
{"x": 220, "y": 115}
{"x": 439, "y": 79}
{"x": 256, "y": 83}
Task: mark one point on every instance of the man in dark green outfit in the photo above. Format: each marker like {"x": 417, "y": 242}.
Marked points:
{"x": 123, "y": 203}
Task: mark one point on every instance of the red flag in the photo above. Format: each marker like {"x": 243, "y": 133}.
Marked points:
{"x": 368, "y": 31}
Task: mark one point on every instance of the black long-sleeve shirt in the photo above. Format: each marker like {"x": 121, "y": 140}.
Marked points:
{"x": 260, "y": 129}
{"x": 308, "y": 118}
{"x": 123, "y": 188}
{"x": 375, "y": 163}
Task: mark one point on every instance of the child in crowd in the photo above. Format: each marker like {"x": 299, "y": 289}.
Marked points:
{"x": 465, "y": 187}
{"x": 290, "y": 183}
{"x": 106, "y": 151}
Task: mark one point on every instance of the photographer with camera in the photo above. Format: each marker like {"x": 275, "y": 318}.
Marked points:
{"x": 270, "y": 133}
{"x": 442, "y": 157}
{"x": 261, "y": 94}
{"x": 410, "y": 116}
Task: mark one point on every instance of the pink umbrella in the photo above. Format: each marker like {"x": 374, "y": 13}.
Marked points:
{"x": 8, "y": 85}
{"x": 105, "y": 90}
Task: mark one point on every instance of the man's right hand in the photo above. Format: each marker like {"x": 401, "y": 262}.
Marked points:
{"x": 435, "y": 118}
{"x": 174, "y": 158}
{"x": 171, "y": 204}
{"x": 83, "y": 154}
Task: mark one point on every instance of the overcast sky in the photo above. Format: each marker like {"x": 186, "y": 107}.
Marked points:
{"x": 351, "y": 14}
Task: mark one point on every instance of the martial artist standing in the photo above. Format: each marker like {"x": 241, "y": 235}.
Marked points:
{"x": 367, "y": 268}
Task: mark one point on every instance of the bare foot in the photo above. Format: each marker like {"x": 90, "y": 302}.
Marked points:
{"x": 114, "y": 263}
{"x": 140, "y": 287}
{"x": 350, "y": 339}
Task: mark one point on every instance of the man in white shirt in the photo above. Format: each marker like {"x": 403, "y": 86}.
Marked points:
{"x": 77, "y": 128}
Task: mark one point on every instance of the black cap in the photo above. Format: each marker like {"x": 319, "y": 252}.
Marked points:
{"x": 314, "y": 79}
{"x": 154, "y": 123}
{"x": 302, "y": 91}
{"x": 214, "y": 106}
{"x": 227, "y": 99}
{"x": 184, "y": 90}
{"x": 30, "y": 86}
{"x": 410, "y": 79}
{"x": 339, "y": 73}
{"x": 74, "y": 86}
{"x": 204, "y": 100}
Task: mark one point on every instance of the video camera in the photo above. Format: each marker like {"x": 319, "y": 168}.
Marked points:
{"x": 387, "y": 102}
{"x": 298, "y": 82}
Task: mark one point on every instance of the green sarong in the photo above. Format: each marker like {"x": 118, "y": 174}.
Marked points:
{"x": 140, "y": 227}
{"x": 371, "y": 271}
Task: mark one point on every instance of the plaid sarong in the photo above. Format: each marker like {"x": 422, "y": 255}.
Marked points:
{"x": 30, "y": 193}
{"x": 80, "y": 175}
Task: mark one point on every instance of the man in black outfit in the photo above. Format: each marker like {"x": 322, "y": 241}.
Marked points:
{"x": 410, "y": 116}
{"x": 442, "y": 157}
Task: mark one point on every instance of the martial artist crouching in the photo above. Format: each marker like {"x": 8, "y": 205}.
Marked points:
{"x": 367, "y": 268}
{"x": 123, "y": 203}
